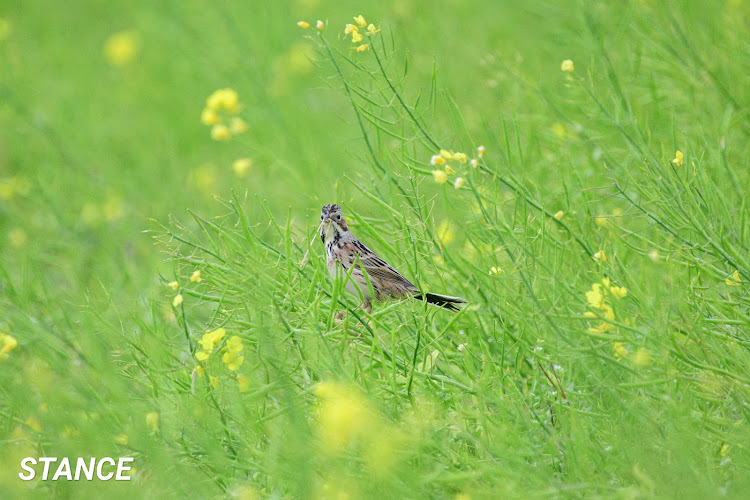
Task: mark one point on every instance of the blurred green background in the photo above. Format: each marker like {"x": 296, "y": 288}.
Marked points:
{"x": 102, "y": 147}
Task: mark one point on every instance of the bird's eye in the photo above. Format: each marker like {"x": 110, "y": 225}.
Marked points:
{"x": 338, "y": 217}
{"x": 321, "y": 217}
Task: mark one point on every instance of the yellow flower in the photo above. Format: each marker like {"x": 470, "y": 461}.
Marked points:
{"x": 459, "y": 183}
{"x": 448, "y": 155}
{"x": 243, "y": 381}
{"x": 437, "y": 160}
{"x": 357, "y": 37}
{"x": 241, "y": 166}
{"x": 320, "y": 25}
{"x": 363, "y": 47}
{"x": 34, "y": 424}
{"x": 495, "y": 271}
{"x": 371, "y": 29}
{"x": 220, "y": 132}
{"x": 17, "y": 237}
{"x": 302, "y": 24}
{"x": 600, "y": 255}
{"x": 594, "y": 297}
{"x": 209, "y": 117}
{"x": 617, "y": 291}
{"x": 226, "y": 99}
{"x": 232, "y": 354}
{"x": 641, "y": 357}
{"x": 559, "y": 214}
{"x": 5, "y": 28}
{"x": 449, "y": 170}
{"x": 724, "y": 450}
{"x": 173, "y": 285}
{"x": 202, "y": 355}
{"x": 344, "y": 415}
{"x": 620, "y": 350}
{"x": 237, "y": 125}
{"x": 445, "y": 232}
{"x": 480, "y": 151}
{"x": 461, "y": 157}
{"x": 121, "y": 439}
{"x": 603, "y": 327}
{"x": 7, "y": 344}
{"x": 567, "y": 65}
{"x": 349, "y": 29}
{"x": 177, "y": 300}
{"x": 440, "y": 176}
{"x": 196, "y": 276}
{"x": 474, "y": 163}
{"x": 152, "y": 421}
{"x": 360, "y": 20}
{"x": 213, "y": 381}
{"x": 734, "y": 279}
{"x": 198, "y": 371}
{"x": 654, "y": 255}
{"x": 678, "y": 156}
{"x": 121, "y": 48}
{"x": 212, "y": 339}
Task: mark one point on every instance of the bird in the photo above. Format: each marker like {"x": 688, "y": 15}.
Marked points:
{"x": 344, "y": 250}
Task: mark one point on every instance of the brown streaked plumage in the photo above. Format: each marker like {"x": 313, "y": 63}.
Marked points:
{"x": 342, "y": 252}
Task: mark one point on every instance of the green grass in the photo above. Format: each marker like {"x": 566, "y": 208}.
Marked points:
{"x": 111, "y": 188}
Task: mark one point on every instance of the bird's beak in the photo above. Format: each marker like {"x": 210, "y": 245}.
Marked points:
{"x": 327, "y": 218}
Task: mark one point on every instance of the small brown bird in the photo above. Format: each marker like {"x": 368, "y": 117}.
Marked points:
{"x": 343, "y": 250}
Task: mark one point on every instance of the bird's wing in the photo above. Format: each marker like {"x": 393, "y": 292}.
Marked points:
{"x": 384, "y": 277}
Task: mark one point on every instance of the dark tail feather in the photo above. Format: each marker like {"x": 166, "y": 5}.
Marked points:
{"x": 444, "y": 301}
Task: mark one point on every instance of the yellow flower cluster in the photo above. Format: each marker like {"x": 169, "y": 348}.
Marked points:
{"x": 596, "y": 298}
{"x": 344, "y": 415}
{"x": 357, "y": 37}
{"x": 641, "y": 356}
{"x": 620, "y": 350}
{"x": 7, "y": 344}
{"x": 233, "y": 357}
{"x": 241, "y": 166}
{"x": 196, "y": 276}
{"x": 567, "y": 66}
{"x": 219, "y": 114}
{"x": 496, "y": 271}
{"x": 443, "y": 160}
{"x": 232, "y": 350}
{"x": 209, "y": 342}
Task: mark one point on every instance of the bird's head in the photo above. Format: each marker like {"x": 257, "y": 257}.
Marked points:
{"x": 332, "y": 222}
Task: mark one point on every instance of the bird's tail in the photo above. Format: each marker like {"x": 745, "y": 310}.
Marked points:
{"x": 445, "y": 301}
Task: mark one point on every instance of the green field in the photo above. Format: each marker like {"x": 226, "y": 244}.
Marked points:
{"x": 163, "y": 288}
